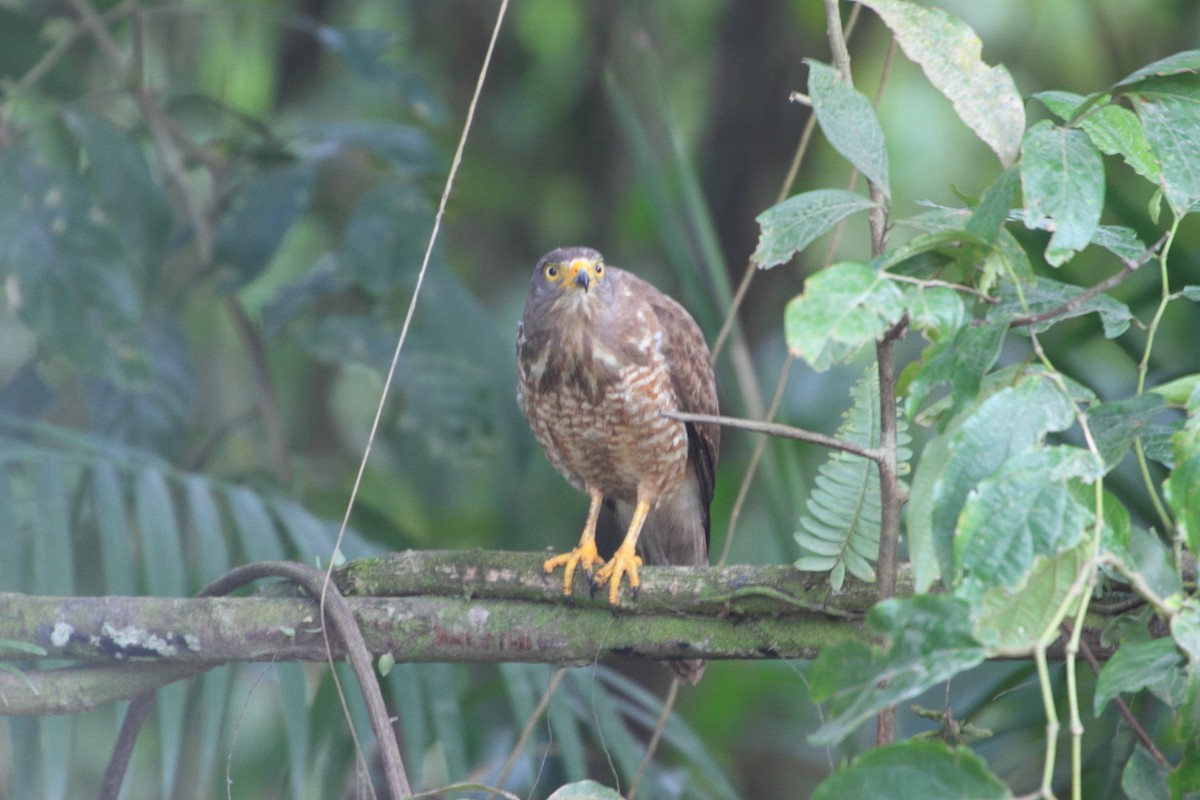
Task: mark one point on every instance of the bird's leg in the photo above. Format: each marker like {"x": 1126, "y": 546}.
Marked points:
{"x": 584, "y": 552}
{"x": 626, "y": 560}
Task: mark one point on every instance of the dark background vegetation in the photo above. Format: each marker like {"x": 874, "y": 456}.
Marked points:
{"x": 653, "y": 131}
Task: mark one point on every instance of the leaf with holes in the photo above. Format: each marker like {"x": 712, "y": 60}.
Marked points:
{"x": 1062, "y": 177}
{"x": 792, "y": 225}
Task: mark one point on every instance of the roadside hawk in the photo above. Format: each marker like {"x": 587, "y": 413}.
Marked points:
{"x": 600, "y": 355}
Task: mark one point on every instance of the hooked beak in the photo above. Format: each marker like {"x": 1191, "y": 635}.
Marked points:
{"x": 582, "y": 279}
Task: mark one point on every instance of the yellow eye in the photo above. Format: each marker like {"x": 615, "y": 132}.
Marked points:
{"x": 551, "y": 271}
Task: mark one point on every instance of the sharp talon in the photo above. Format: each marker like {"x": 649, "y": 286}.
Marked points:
{"x": 569, "y": 600}
{"x": 613, "y": 608}
{"x": 633, "y": 592}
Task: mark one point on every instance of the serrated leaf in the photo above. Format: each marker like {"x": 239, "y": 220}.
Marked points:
{"x": 1010, "y": 621}
{"x": 1170, "y": 112}
{"x": 975, "y": 445}
{"x": 841, "y": 526}
{"x": 913, "y": 770}
{"x": 1115, "y": 425}
{"x": 1134, "y": 667}
{"x": 843, "y": 307}
{"x": 929, "y": 641}
{"x": 1062, "y": 177}
{"x": 1022, "y": 511}
{"x": 1113, "y": 129}
{"x": 1043, "y": 294}
{"x": 985, "y": 98}
{"x": 790, "y": 226}
{"x": 849, "y": 123}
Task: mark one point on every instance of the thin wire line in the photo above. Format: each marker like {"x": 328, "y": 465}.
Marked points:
{"x": 412, "y": 305}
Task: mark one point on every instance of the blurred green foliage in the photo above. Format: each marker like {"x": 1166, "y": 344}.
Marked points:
{"x": 209, "y": 235}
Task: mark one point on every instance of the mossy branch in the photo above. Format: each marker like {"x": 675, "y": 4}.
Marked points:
{"x": 448, "y": 606}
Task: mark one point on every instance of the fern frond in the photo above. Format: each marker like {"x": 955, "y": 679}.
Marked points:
{"x": 840, "y": 531}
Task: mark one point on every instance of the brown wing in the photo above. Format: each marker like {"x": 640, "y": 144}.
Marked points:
{"x": 692, "y": 378}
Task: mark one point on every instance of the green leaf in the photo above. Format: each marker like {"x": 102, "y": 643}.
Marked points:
{"x": 258, "y": 218}
{"x": 1010, "y": 621}
{"x": 913, "y": 770}
{"x": 1182, "y": 486}
{"x": 841, "y": 525}
{"x": 1186, "y": 61}
{"x": 975, "y": 445}
{"x": 1154, "y": 562}
{"x": 584, "y": 790}
{"x": 843, "y": 308}
{"x": 404, "y": 147}
{"x": 1135, "y": 666}
{"x": 158, "y": 528}
{"x": 1043, "y": 294}
{"x": 1170, "y": 112}
{"x": 1116, "y": 425}
{"x": 792, "y": 225}
{"x": 1144, "y": 778}
{"x": 112, "y": 521}
{"x": 1177, "y": 391}
{"x": 1185, "y": 628}
{"x": 255, "y": 528}
{"x": 53, "y": 550}
{"x": 1023, "y": 510}
{"x": 212, "y": 553}
{"x": 1113, "y": 129}
{"x": 1062, "y": 176}
{"x": 936, "y": 311}
{"x": 293, "y": 708}
{"x": 989, "y": 216}
{"x": 385, "y": 241}
{"x": 985, "y": 98}
{"x": 961, "y": 361}
{"x": 929, "y": 641}
{"x": 849, "y": 123}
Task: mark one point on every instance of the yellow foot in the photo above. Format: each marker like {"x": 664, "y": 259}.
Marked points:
{"x": 625, "y": 562}
{"x": 584, "y": 553}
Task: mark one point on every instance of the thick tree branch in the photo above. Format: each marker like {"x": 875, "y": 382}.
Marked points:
{"x": 454, "y": 606}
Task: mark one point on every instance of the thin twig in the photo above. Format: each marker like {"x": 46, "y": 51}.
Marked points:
{"x": 1130, "y": 267}
{"x": 781, "y": 431}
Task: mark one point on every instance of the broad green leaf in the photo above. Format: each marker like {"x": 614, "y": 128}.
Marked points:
{"x": 1185, "y": 628}
{"x": 1043, "y": 294}
{"x": 929, "y": 641}
{"x": 843, "y": 308}
{"x": 1170, "y": 112}
{"x": 73, "y": 276}
{"x": 975, "y": 445}
{"x": 1191, "y": 292}
{"x": 1186, "y": 61}
{"x": 1178, "y": 390}
{"x": 584, "y": 790}
{"x": 961, "y": 362}
{"x": 1135, "y": 666}
{"x": 913, "y": 770}
{"x": 985, "y": 98}
{"x": 133, "y": 202}
{"x": 385, "y": 241}
{"x": 1062, "y": 176}
{"x": 1153, "y": 561}
{"x": 258, "y": 218}
{"x": 1116, "y": 425}
{"x": 1144, "y": 778}
{"x": 936, "y": 311}
{"x": 1023, "y": 510}
{"x": 792, "y": 225}
{"x": 1113, "y": 129}
{"x": 849, "y": 123}
{"x": 989, "y": 216}
{"x": 1010, "y": 621}
{"x": 158, "y": 529}
{"x": 1182, "y": 486}
{"x": 1122, "y": 242}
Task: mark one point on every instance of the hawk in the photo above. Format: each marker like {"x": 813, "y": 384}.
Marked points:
{"x": 600, "y": 355}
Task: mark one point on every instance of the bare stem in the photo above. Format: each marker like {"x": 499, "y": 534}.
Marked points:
{"x": 782, "y": 431}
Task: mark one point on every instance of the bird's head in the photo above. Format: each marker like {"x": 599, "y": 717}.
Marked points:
{"x": 569, "y": 281}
